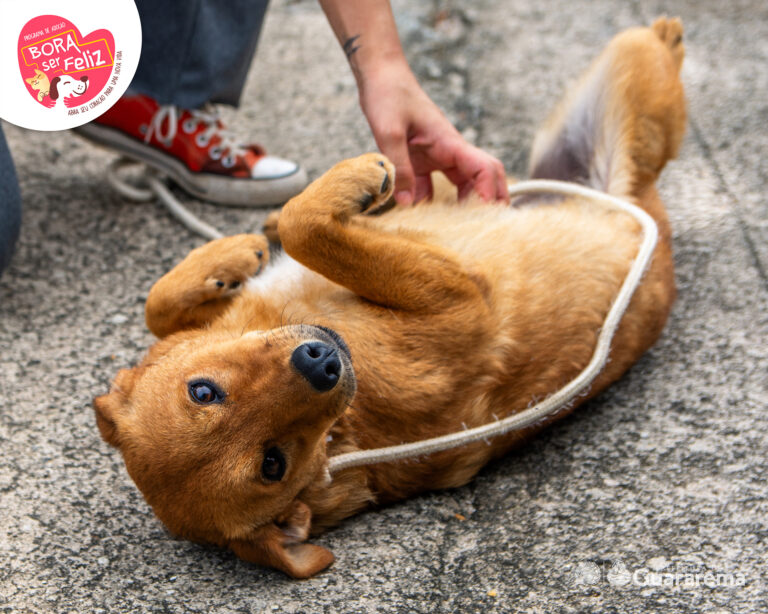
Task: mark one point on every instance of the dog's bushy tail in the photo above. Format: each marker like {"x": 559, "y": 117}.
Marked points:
{"x": 624, "y": 119}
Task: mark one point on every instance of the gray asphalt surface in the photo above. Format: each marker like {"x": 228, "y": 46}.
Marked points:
{"x": 665, "y": 472}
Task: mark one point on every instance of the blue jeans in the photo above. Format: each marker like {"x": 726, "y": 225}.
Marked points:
{"x": 197, "y": 51}
{"x": 10, "y": 205}
{"x": 193, "y": 52}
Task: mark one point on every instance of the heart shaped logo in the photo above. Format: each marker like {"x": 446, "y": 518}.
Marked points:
{"x": 61, "y": 67}
{"x": 74, "y": 61}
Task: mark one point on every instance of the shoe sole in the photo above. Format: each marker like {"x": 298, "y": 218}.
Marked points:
{"x": 233, "y": 191}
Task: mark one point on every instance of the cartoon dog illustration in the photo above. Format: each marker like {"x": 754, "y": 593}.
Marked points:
{"x": 68, "y": 86}
{"x": 41, "y": 83}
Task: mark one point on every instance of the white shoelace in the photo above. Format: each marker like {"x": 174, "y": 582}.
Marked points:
{"x": 163, "y": 126}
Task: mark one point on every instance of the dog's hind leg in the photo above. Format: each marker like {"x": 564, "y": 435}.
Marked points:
{"x": 615, "y": 132}
{"x": 624, "y": 119}
{"x": 202, "y": 285}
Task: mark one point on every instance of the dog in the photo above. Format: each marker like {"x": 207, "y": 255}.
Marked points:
{"x": 371, "y": 331}
{"x": 68, "y": 86}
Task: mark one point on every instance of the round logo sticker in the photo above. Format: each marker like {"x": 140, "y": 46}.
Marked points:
{"x": 62, "y": 64}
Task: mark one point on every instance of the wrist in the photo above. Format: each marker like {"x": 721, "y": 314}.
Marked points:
{"x": 388, "y": 72}
{"x": 372, "y": 64}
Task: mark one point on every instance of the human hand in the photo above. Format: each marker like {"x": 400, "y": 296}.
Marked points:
{"x": 415, "y": 135}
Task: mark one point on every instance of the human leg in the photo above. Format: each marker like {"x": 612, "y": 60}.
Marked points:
{"x": 196, "y": 52}
{"x": 10, "y": 205}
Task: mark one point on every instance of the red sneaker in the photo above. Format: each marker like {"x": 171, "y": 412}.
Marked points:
{"x": 194, "y": 149}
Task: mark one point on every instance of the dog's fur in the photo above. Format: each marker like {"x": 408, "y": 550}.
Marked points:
{"x": 455, "y": 313}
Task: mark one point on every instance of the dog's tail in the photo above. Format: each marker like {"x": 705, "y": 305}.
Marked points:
{"x": 624, "y": 119}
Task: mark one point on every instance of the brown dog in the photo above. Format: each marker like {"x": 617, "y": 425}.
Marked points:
{"x": 451, "y": 313}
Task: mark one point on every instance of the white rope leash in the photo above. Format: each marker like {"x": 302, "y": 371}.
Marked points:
{"x": 562, "y": 397}
{"x": 518, "y": 421}
{"x": 156, "y": 188}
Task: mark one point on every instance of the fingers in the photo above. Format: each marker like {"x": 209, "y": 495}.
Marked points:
{"x": 423, "y": 188}
{"x": 395, "y": 147}
{"x": 484, "y": 172}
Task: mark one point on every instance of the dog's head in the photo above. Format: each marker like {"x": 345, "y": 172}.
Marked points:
{"x": 221, "y": 433}
{"x": 66, "y": 85}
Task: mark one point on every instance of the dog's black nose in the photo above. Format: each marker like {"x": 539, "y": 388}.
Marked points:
{"x": 319, "y": 363}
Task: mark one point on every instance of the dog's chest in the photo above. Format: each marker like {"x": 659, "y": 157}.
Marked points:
{"x": 284, "y": 278}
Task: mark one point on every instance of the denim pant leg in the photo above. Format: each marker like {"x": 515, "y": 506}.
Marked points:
{"x": 10, "y": 205}
{"x": 197, "y": 51}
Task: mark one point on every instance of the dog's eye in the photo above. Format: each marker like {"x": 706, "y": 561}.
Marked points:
{"x": 273, "y": 465}
{"x": 205, "y": 392}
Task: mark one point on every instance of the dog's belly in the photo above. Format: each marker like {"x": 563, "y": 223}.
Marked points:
{"x": 541, "y": 263}
{"x": 569, "y": 248}
{"x": 283, "y": 277}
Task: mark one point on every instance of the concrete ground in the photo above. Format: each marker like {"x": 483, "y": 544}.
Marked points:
{"x": 664, "y": 472}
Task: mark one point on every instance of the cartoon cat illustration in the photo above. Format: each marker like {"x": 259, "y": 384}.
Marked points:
{"x": 41, "y": 83}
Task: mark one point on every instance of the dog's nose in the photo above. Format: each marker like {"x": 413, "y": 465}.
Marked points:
{"x": 319, "y": 363}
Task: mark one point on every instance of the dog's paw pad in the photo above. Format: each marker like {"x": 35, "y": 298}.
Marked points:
{"x": 670, "y": 31}
{"x": 366, "y": 201}
{"x": 224, "y": 287}
{"x": 376, "y": 176}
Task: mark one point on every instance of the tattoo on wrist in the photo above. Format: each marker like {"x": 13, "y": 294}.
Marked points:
{"x": 350, "y": 45}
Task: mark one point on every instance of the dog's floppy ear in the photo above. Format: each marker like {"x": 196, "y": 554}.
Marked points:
{"x": 281, "y": 545}
{"x": 272, "y": 549}
{"x": 109, "y": 407}
{"x": 54, "y": 91}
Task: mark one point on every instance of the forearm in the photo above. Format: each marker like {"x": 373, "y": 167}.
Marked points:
{"x": 367, "y": 33}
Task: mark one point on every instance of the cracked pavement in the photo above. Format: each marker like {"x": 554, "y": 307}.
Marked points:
{"x": 664, "y": 472}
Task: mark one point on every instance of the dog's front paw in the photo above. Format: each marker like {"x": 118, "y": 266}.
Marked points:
{"x": 364, "y": 183}
{"x": 226, "y": 264}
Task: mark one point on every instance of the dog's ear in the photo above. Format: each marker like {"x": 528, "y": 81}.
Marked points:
{"x": 281, "y": 545}
{"x": 54, "y": 91}
{"x": 110, "y": 407}
{"x": 271, "y": 548}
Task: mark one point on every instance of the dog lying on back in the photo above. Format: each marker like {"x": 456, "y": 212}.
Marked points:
{"x": 451, "y": 313}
